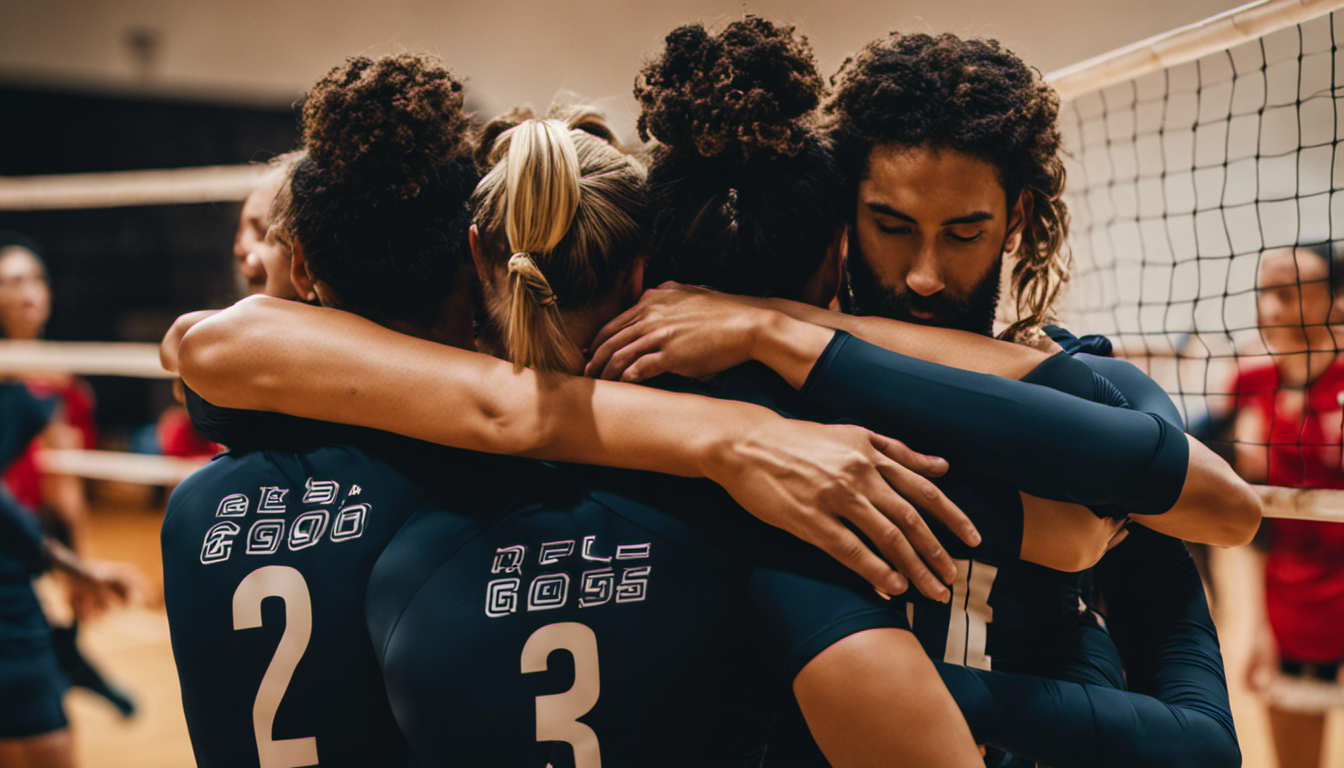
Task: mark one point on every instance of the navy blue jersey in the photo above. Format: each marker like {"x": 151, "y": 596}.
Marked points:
{"x": 22, "y": 625}
{"x": 579, "y": 627}
{"x": 1004, "y": 613}
{"x": 266, "y": 560}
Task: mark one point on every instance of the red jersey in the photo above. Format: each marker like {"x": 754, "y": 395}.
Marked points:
{"x": 1304, "y": 573}
{"x": 23, "y": 478}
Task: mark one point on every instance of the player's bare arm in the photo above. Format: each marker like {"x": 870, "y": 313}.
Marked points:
{"x": 269, "y": 354}
{"x": 697, "y": 332}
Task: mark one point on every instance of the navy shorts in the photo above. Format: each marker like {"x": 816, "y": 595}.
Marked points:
{"x": 32, "y": 688}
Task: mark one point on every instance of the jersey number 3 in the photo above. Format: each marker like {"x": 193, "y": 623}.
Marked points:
{"x": 558, "y": 714}
{"x": 287, "y": 584}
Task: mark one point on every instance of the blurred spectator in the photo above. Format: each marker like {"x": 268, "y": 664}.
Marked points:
{"x": 1287, "y": 425}
{"x": 60, "y": 501}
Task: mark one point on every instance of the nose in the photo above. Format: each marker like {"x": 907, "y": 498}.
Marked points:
{"x": 251, "y": 267}
{"x": 925, "y": 277}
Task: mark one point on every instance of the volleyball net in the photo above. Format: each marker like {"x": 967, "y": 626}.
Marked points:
{"x": 1192, "y": 158}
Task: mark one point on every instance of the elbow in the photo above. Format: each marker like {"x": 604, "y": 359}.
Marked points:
{"x": 511, "y": 423}
{"x": 213, "y": 357}
{"x": 1242, "y": 515}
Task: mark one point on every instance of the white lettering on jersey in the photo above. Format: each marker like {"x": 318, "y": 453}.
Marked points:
{"x": 272, "y": 500}
{"x": 501, "y": 597}
{"x": 218, "y": 543}
{"x": 350, "y": 522}
{"x": 634, "y": 585}
{"x": 265, "y": 536}
{"x": 548, "y": 591}
{"x": 632, "y": 551}
{"x": 233, "y": 505}
{"x": 554, "y": 551}
{"x": 509, "y": 559}
{"x": 307, "y": 529}
{"x": 320, "y": 491}
{"x": 596, "y": 587}
{"x": 355, "y": 490}
{"x": 587, "y": 554}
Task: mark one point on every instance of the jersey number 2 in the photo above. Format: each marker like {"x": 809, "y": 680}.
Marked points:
{"x": 287, "y": 584}
{"x": 558, "y": 714}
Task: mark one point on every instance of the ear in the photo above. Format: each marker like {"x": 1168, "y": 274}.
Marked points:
{"x": 1017, "y": 222}
{"x": 822, "y": 288}
{"x": 300, "y": 275}
{"x": 633, "y": 287}
{"x": 483, "y": 270}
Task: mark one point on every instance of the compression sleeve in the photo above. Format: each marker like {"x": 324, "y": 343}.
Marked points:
{"x": 1159, "y": 619}
{"x": 20, "y": 536}
{"x": 1073, "y": 725}
{"x": 1176, "y": 712}
{"x": 1038, "y": 440}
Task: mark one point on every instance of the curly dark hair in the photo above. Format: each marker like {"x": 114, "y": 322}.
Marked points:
{"x": 379, "y": 203}
{"x": 743, "y": 184}
{"x": 978, "y": 98}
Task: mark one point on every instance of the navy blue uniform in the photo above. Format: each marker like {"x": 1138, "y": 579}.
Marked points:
{"x": 579, "y": 627}
{"x": 266, "y": 561}
{"x": 1176, "y": 712}
{"x": 31, "y": 684}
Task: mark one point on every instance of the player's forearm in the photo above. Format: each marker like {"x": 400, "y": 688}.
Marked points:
{"x": 323, "y": 364}
{"x": 1045, "y": 442}
{"x": 1215, "y": 506}
{"x": 957, "y": 349}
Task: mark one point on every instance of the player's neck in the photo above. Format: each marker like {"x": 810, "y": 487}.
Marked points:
{"x": 1298, "y": 369}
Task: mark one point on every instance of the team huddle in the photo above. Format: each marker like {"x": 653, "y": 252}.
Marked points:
{"x": 547, "y": 452}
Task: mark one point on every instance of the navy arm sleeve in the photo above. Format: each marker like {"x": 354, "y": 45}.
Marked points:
{"x": 1044, "y": 442}
{"x": 1176, "y": 712}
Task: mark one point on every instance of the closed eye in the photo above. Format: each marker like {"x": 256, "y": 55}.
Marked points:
{"x": 896, "y": 229}
{"x": 966, "y": 238}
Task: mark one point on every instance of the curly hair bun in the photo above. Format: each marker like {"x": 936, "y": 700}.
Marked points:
{"x": 744, "y": 94}
{"x": 395, "y": 116}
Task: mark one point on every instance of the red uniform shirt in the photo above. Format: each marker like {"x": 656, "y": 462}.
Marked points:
{"x": 23, "y": 478}
{"x": 1304, "y": 574}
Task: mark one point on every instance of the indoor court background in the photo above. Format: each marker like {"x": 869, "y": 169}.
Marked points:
{"x": 94, "y": 86}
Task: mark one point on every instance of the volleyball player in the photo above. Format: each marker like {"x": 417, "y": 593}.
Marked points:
{"x": 293, "y": 680}
{"x": 1089, "y": 379}
{"x": 701, "y": 244}
{"x": 34, "y": 731}
{"x": 256, "y": 258}
{"x": 1287, "y": 429}
{"x": 60, "y": 501}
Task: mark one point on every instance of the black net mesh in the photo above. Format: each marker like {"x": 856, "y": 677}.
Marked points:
{"x": 1185, "y": 187}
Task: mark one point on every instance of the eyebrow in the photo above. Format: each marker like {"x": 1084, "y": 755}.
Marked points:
{"x": 887, "y": 210}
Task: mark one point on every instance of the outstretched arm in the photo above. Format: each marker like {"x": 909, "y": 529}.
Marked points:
{"x": 928, "y": 383}
{"x": 267, "y": 354}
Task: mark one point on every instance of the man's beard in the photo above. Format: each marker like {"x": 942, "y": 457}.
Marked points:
{"x": 868, "y": 296}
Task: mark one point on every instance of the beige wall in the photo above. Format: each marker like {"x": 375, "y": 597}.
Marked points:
{"x": 512, "y": 50}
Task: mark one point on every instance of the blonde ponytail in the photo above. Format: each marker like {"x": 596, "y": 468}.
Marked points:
{"x": 534, "y": 331}
{"x": 560, "y": 206}
{"x": 541, "y": 194}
